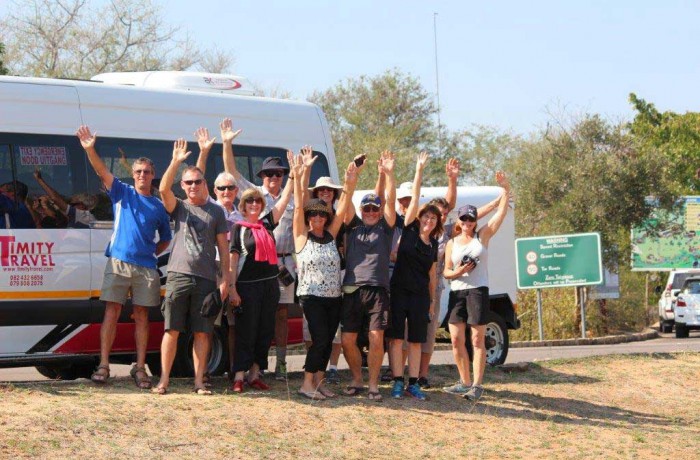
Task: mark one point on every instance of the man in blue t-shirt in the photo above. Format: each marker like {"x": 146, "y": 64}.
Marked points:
{"x": 131, "y": 252}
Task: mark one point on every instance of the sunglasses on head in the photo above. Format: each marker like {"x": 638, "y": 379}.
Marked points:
{"x": 251, "y": 200}
{"x": 145, "y": 172}
{"x": 221, "y": 188}
{"x": 195, "y": 181}
{"x": 467, "y": 219}
{"x": 370, "y": 208}
{"x": 317, "y": 214}
{"x": 273, "y": 173}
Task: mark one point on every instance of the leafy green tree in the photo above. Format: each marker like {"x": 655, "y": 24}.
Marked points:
{"x": 675, "y": 137}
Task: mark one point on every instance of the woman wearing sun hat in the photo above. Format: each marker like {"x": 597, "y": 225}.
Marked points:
{"x": 315, "y": 227}
{"x": 466, "y": 267}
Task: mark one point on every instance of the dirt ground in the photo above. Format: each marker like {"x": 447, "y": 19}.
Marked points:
{"x": 636, "y": 406}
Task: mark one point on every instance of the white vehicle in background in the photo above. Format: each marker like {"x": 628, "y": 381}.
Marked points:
{"x": 688, "y": 307}
{"x": 502, "y": 289}
{"x": 667, "y": 302}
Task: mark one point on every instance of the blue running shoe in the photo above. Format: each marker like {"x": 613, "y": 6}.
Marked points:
{"x": 415, "y": 391}
{"x": 397, "y": 390}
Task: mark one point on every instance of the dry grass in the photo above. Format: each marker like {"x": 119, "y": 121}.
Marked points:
{"x": 638, "y": 406}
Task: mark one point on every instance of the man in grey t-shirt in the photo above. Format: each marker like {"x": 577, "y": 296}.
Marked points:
{"x": 200, "y": 227}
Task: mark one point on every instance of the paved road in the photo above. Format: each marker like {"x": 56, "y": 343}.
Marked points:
{"x": 665, "y": 344}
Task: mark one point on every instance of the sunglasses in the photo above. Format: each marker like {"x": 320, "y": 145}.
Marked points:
{"x": 317, "y": 214}
{"x": 251, "y": 200}
{"x": 145, "y": 172}
{"x": 324, "y": 190}
{"x": 221, "y": 188}
{"x": 370, "y": 208}
{"x": 273, "y": 173}
{"x": 467, "y": 219}
{"x": 195, "y": 182}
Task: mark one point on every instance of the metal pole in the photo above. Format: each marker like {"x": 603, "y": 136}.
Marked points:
{"x": 437, "y": 86}
{"x": 539, "y": 313}
{"x": 583, "y": 312}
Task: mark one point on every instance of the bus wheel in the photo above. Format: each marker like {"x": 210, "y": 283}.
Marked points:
{"x": 218, "y": 356}
{"x": 66, "y": 372}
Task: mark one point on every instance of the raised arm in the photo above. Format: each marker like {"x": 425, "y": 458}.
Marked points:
{"x": 227, "y": 137}
{"x": 299, "y": 230}
{"x": 488, "y": 207}
{"x": 87, "y": 140}
{"x": 180, "y": 154}
{"x": 495, "y": 222}
{"x": 344, "y": 203}
{"x": 452, "y": 173}
{"x": 308, "y": 159}
{"x": 53, "y": 194}
{"x": 381, "y": 182}
{"x": 387, "y": 167}
{"x": 205, "y": 145}
{"x": 279, "y": 207}
{"x": 412, "y": 210}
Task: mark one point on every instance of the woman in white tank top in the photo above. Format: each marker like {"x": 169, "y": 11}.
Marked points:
{"x": 315, "y": 228}
{"x": 466, "y": 267}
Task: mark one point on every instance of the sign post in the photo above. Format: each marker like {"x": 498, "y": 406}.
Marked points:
{"x": 558, "y": 261}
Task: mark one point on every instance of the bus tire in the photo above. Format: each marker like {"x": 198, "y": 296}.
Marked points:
{"x": 218, "y": 356}
{"x": 66, "y": 372}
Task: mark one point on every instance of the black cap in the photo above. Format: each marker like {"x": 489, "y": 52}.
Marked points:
{"x": 272, "y": 164}
{"x": 467, "y": 212}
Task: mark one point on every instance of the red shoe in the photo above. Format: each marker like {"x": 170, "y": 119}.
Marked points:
{"x": 237, "y": 386}
{"x": 259, "y": 385}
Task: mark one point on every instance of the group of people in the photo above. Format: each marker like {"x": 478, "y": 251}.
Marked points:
{"x": 375, "y": 271}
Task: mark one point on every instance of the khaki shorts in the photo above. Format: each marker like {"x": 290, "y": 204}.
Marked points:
{"x": 287, "y": 292}
{"x": 120, "y": 277}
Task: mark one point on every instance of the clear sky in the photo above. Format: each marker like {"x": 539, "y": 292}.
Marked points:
{"x": 501, "y": 63}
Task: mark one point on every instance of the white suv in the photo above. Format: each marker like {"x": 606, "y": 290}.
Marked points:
{"x": 688, "y": 307}
{"x": 667, "y": 302}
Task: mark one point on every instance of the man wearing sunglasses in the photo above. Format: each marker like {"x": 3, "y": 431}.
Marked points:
{"x": 200, "y": 229}
{"x": 272, "y": 173}
{"x": 366, "y": 282}
{"x": 131, "y": 264}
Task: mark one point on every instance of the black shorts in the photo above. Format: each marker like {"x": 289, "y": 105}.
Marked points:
{"x": 366, "y": 303}
{"x": 412, "y": 307}
{"x": 469, "y": 306}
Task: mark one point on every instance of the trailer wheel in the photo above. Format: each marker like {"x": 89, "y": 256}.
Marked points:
{"x": 218, "y": 355}
{"x": 496, "y": 340}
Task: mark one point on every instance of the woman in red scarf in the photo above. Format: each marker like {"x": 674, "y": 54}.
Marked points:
{"x": 256, "y": 290}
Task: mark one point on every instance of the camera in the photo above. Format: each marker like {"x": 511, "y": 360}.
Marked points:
{"x": 360, "y": 160}
{"x": 467, "y": 259}
{"x": 285, "y": 277}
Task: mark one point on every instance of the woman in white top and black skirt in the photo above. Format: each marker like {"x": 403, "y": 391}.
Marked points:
{"x": 315, "y": 228}
{"x": 466, "y": 267}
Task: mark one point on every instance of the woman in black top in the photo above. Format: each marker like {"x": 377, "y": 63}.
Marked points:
{"x": 255, "y": 287}
{"x": 413, "y": 286}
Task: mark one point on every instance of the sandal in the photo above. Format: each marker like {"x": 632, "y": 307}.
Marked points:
{"x": 327, "y": 393}
{"x": 202, "y": 391}
{"x": 352, "y": 391}
{"x": 100, "y": 377}
{"x": 141, "y": 378}
{"x": 159, "y": 390}
{"x": 374, "y": 396}
{"x": 314, "y": 395}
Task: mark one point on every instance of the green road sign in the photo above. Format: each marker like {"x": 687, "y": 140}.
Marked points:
{"x": 558, "y": 261}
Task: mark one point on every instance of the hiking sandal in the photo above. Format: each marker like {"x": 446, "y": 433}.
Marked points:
{"x": 141, "y": 378}
{"x": 99, "y": 376}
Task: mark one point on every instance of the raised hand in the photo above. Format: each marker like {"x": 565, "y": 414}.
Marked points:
{"x": 387, "y": 162}
{"x": 227, "y": 132}
{"x": 87, "y": 139}
{"x": 352, "y": 172}
{"x": 452, "y": 168}
{"x": 180, "y": 152}
{"x": 202, "y": 136}
{"x": 296, "y": 164}
{"x": 422, "y": 160}
{"x": 307, "y": 155}
{"x": 502, "y": 180}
